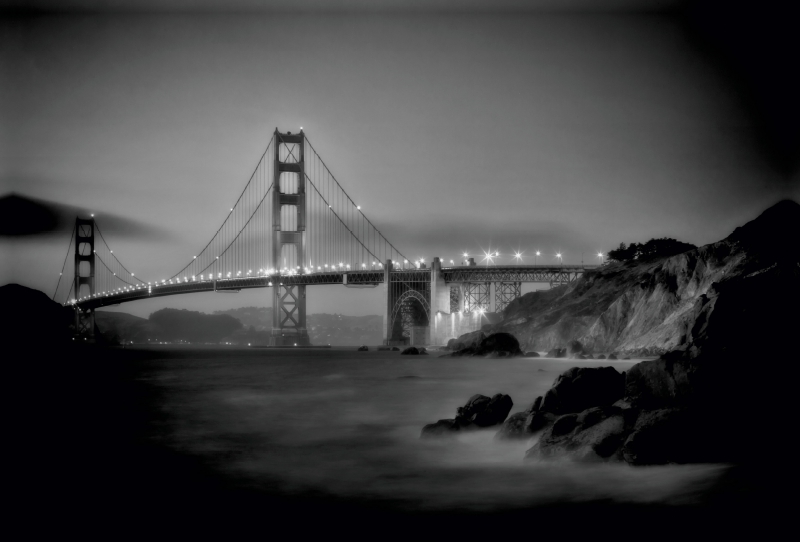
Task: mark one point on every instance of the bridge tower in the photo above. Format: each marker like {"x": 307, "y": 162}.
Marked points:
{"x": 288, "y": 300}
{"x": 84, "y": 275}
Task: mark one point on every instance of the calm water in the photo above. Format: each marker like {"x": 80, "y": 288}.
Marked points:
{"x": 346, "y": 424}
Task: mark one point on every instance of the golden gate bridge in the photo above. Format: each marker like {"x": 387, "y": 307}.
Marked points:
{"x": 294, "y": 226}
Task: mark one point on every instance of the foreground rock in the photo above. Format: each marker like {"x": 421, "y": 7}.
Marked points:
{"x": 479, "y": 411}
{"x": 573, "y": 391}
{"x": 580, "y": 388}
{"x": 495, "y": 345}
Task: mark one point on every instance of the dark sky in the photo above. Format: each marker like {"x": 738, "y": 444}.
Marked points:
{"x": 487, "y": 127}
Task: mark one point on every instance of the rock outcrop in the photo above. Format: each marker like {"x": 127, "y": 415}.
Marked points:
{"x": 479, "y": 411}
{"x": 649, "y": 307}
{"x": 495, "y": 345}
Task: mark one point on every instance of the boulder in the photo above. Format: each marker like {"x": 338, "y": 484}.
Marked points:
{"x": 591, "y": 436}
{"x": 557, "y": 353}
{"x": 539, "y": 420}
{"x": 531, "y": 354}
{"x": 524, "y": 424}
{"x": 442, "y": 428}
{"x": 661, "y": 436}
{"x": 575, "y": 348}
{"x": 537, "y": 404}
{"x": 410, "y": 351}
{"x": 480, "y": 411}
{"x": 660, "y": 383}
{"x": 453, "y": 344}
{"x": 501, "y": 344}
{"x": 485, "y": 412}
{"x": 612, "y": 356}
{"x": 362, "y": 348}
{"x": 601, "y": 356}
{"x": 514, "y": 427}
{"x": 579, "y": 388}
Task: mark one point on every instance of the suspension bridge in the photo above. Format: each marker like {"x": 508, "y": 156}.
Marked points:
{"x": 294, "y": 226}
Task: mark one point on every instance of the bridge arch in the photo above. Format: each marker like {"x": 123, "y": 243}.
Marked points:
{"x": 403, "y": 301}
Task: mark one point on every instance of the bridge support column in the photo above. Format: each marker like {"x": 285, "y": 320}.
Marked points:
{"x": 84, "y": 276}
{"x": 440, "y": 304}
{"x": 289, "y": 301}
{"x": 387, "y": 302}
{"x": 505, "y": 293}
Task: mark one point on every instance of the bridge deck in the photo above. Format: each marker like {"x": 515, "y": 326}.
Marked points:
{"x": 505, "y": 273}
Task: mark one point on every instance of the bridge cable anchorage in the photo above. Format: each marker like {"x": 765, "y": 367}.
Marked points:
{"x": 64, "y": 266}
{"x": 228, "y": 216}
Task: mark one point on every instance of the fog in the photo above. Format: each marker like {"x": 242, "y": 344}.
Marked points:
{"x": 347, "y": 425}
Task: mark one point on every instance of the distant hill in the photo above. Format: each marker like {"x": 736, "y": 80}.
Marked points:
{"x": 653, "y": 306}
{"x": 29, "y": 316}
{"x": 253, "y": 326}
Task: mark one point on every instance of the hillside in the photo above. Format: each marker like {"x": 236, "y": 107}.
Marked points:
{"x": 649, "y": 307}
{"x": 173, "y": 325}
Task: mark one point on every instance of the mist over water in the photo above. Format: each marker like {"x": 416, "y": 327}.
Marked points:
{"x": 347, "y": 424}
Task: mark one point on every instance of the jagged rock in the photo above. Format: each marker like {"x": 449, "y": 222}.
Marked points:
{"x": 442, "y": 428}
{"x": 579, "y": 388}
{"x": 362, "y": 348}
{"x": 658, "y": 383}
{"x": 662, "y": 436}
{"x": 524, "y": 424}
{"x": 593, "y": 435}
{"x": 557, "y": 353}
{"x": 539, "y": 420}
{"x": 480, "y": 411}
{"x": 537, "y": 404}
{"x": 484, "y": 412}
{"x": 410, "y": 351}
{"x": 514, "y": 427}
{"x": 531, "y": 354}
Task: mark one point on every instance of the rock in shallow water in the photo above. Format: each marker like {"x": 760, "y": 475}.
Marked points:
{"x": 480, "y": 411}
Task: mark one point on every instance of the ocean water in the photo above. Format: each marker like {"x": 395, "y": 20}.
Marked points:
{"x": 346, "y": 425}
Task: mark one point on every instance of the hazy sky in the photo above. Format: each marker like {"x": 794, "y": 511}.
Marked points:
{"x": 550, "y": 130}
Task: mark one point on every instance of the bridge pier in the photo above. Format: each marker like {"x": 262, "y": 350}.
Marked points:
{"x": 84, "y": 276}
{"x": 289, "y": 301}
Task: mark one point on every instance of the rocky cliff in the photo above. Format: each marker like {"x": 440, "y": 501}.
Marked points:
{"x": 651, "y": 306}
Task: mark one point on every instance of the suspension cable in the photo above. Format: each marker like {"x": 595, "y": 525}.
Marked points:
{"x": 348, "y": 197}
{"x": 71, "y": 238}
{"x": 112, "y": 254}
{"x": 213, "y": 238}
